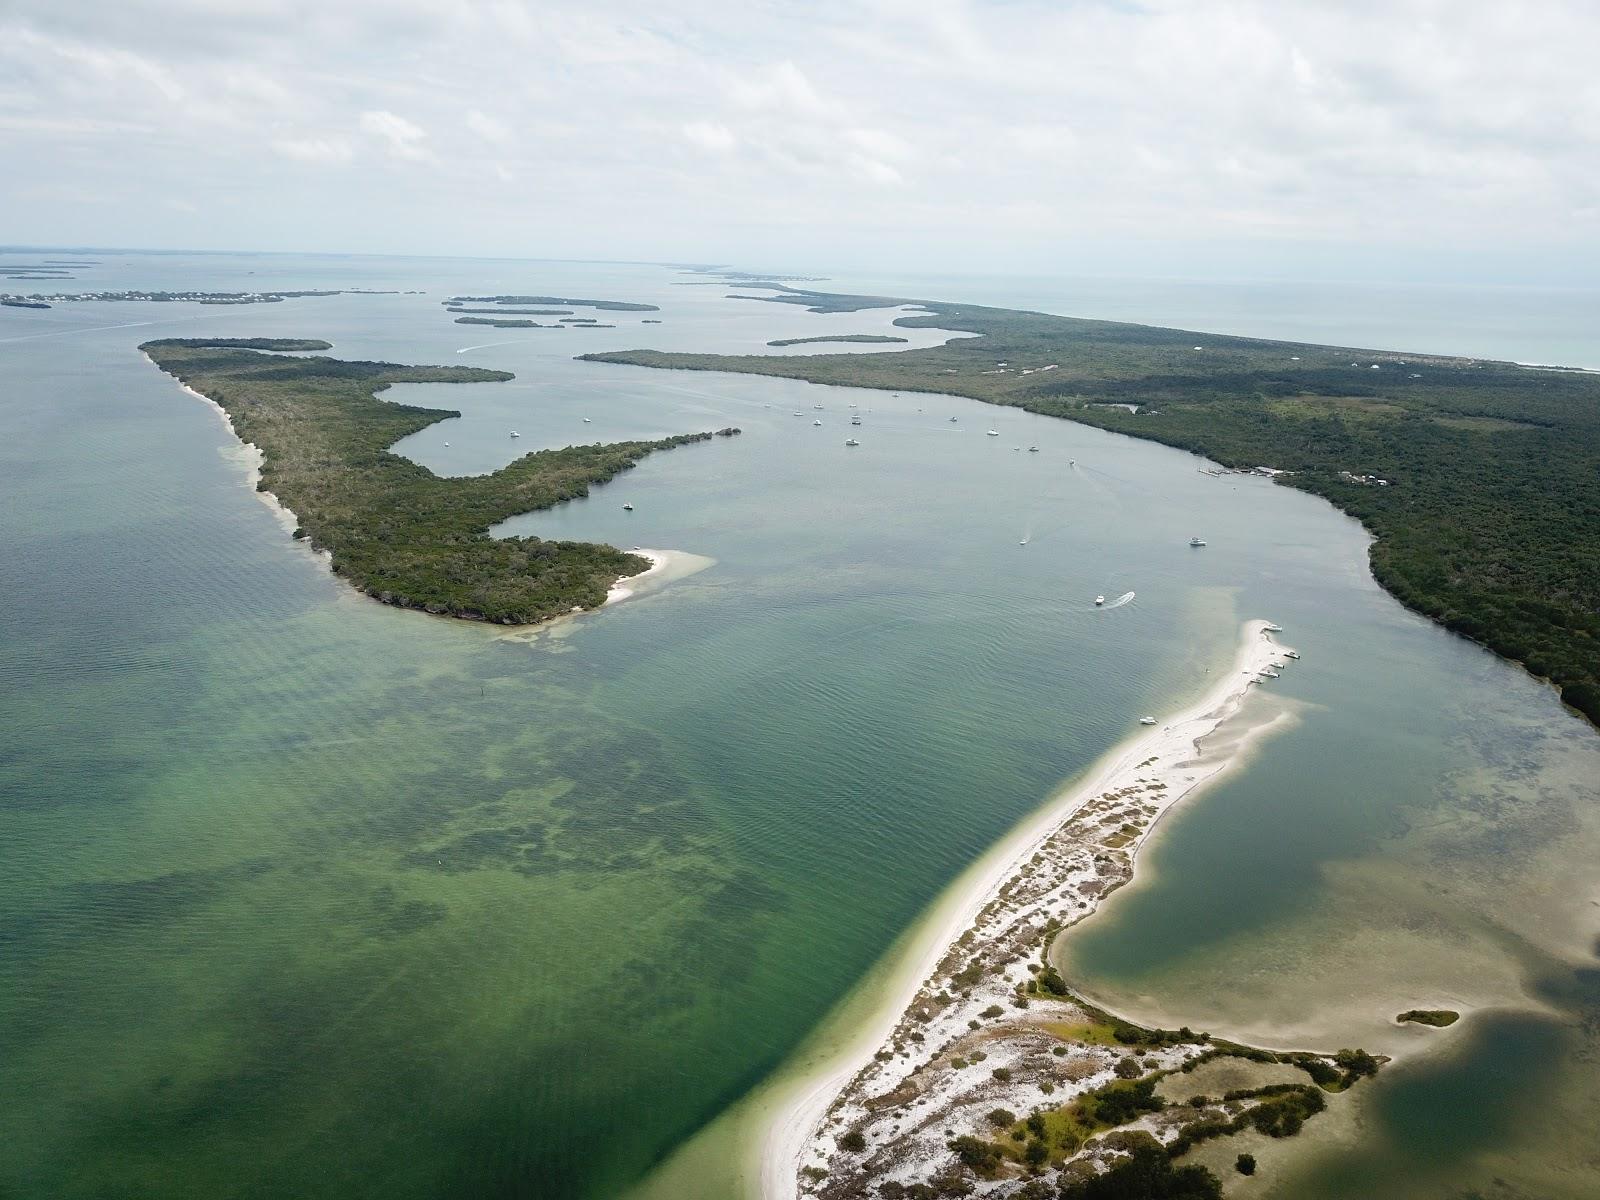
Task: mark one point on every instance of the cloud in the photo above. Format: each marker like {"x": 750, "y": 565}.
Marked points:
{"x": 710, "y": 136}
{"x": 403, "y": 138}
{"x": 488, "y": 128}
{"x": 989, "y": 128}
{"x": 313, "y": 150}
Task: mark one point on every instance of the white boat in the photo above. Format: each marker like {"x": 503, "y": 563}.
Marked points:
{"x": 627, "y": 508}
{"x": 514, "y": 433}
{"x": 586, "y": 420}
{"x": 1147, "y": 720}
{"x": 817, "y": 406}
{"x": 1099, "y": 600}
{"x": 1271, "y": 628}
{"x": 1023, "y": 542}
{"x": 1197, "y": 541}
{"x": 1033, "y": 449}
{"x": 851, "y": 442}
{"x": 1269, "y": 672}
{"x": 855, "y": 420}
{"x": 994, "y": 433}
{"x": 447, "y": 443}
{"x": 952, "y": 420}
{"x": 1291, "y": 654}
{"x": 816, "y": 422}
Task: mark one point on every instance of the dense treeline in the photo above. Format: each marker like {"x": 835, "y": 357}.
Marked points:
{"x": 393, "y": 528}
{"x": 1488, "y": 519}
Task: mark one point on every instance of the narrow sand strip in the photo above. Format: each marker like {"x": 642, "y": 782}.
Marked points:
{"x": 1162, "y": 762}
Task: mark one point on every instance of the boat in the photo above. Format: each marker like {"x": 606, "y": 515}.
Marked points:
{"x": 1023, "y": 542}
{"x": 1291, "y": 654}
{"x": 952, "y": 420}
{"x": 1099, "y": 600}
{"x": 1269, "y": 672}
{"x": 1197, "y": 541}
{"x": 447, "y": 443}
{"x": 816, "y": 422}
{"x": 851, "y": 442}
{"x": 1033, "y": 449}
{"x": 1271, "y": 628}
{"x": 994, "y": 433}
{"x": 627, "y": 508}
{"x": 514, "y": 433}
{"x": 586, "y": 420}
{"x": 817, "y": 406}
{"x": 1147, "y": 720}
{"x": 855, "y": 420}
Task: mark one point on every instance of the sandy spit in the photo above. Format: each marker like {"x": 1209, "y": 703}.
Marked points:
{"x": 1166, "y": 752}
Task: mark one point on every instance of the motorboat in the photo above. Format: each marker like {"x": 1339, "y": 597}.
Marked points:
{"x": 994, "y": 433}
{"x": 1147, "y": 720}
{"x": 816, "y": 422}
{"x": 1033, "y": 449}
{"x": 1099, "y": 600}
{"x": 1197, "y": 541}
{"x": 627, "y": 508}
{"x": 851, "y": 442}
{"x": 1271, "y": 628}
{"x": 1291, "y": 654}
{"x": 514, "y": 433}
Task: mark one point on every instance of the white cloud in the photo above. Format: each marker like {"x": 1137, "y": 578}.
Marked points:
{"x": 403, "y": 138}
{"x": 489, "y": 128}
{"x": 703, "y": 130}
{"x": 710, "y": 136}
{"x": 313, "y": 150}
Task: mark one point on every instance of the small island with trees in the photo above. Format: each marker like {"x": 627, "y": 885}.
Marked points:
{"x": 391, "y": 527}
{"x": 863, "y": 338}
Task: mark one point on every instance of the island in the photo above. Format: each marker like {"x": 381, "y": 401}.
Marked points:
{"x": 868, "y": 338}
{"x": 1439, "y": 1018}
{"x": 193, "y": 297}
{"x": 504, "y": 323}
{"x": 390, "y": 527}
{"x": 1479, "y": 480}
{"x": 557, "y": 301}
{"x": 993, "y": 1071}
{"x": 519, "y": 312}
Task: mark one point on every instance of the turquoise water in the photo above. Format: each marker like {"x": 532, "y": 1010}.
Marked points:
{"x": 310, "y": 896}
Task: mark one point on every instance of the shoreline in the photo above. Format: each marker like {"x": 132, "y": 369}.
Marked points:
{"x": 1166, "y": 752}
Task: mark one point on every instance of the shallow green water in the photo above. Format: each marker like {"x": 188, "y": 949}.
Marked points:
{"x": 309, "y": 896}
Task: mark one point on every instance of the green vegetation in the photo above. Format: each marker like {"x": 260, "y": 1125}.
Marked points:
{"x": 1245, "y": 1164}
{"x": 513, "y": 312}
{"x": 400, "y": 533}
{"x": 560, "y": 301}
{"x": 1439, "y": 1018}
{"x": 874, "y": 338}
{"x": 1146, "y": 1174}
{"x": 508, "y": 323}
{"x": 1488, "y": 519}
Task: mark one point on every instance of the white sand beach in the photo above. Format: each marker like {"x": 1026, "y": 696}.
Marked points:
{"x": 1041, "y": 872}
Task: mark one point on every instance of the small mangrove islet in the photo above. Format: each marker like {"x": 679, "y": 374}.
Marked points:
{"x": 391, "y": 527}
{"x": 860, "y": 338}
{"x": 557, "y": 301}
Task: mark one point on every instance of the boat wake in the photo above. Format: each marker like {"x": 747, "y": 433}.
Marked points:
{"x": 486, "y": 345}
{"x": 1125, "y": 598}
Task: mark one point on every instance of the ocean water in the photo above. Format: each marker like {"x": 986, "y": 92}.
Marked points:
{"x": 305, "y": 895}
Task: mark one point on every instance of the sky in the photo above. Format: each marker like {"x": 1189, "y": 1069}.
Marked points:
{"x": 1407, "y": 140}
